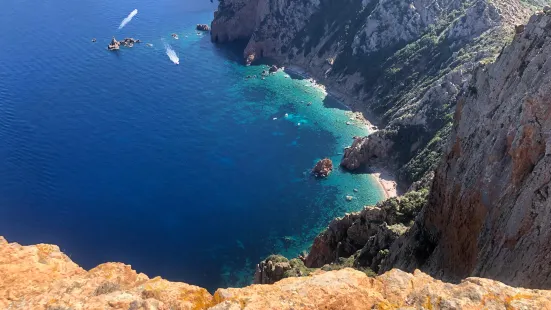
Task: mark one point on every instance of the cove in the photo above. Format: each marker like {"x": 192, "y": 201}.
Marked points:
{"x": 191, "y": 172}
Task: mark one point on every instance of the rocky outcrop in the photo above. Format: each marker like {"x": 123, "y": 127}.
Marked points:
{"x": 344, "y": 236}
{"x": 271, "y": 270}
{"x": 489, "y": 212}
{"x": 350, "y": 289}
{"x": 202, "y": 27}
{"x": 129, "y": 42}
{"x": 323, "y": 168}
{"x": 407, "y": 63}
{"x": 373, "y": 229}
{"x": 42, "y": 277}
{"x": 372, "y": 149}
{"x": 113, "y": 45}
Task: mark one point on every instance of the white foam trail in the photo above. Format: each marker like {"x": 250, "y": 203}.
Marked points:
{"x": 128, "y": 18}
{"x": 172, "y": 54}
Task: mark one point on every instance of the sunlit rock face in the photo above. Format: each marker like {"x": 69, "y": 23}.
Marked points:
{"x": 42, "y": 277}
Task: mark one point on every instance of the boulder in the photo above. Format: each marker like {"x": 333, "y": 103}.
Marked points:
{"x": 323, "y": 168}
{"x": 273, "y": 69}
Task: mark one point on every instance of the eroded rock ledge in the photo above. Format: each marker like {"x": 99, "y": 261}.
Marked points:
{"x": 42, "y": 277}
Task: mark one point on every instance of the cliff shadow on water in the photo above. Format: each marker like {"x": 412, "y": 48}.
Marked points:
{"x": 231, "y": 51}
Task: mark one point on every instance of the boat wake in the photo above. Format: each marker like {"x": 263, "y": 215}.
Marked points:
{"x": 172, "y": 54}
{"x": 128, "y": 18}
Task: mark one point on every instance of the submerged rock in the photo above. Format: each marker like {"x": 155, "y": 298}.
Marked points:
{"x": 323, "y": 168}
{"x": 202, "y": 27}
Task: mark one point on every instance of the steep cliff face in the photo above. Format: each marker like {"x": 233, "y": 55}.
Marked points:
{"x": 489, "y": 212}
{"x": 42, "y": 277}
{"x": 405, "y": 61}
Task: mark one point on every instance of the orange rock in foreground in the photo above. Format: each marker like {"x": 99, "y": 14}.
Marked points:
{"x": 42, "y": 277}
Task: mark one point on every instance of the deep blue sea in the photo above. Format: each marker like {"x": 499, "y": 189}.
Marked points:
{"x": 191, "y": 171}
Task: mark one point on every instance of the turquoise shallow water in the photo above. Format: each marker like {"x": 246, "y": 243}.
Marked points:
{"x": 180, "y": 171}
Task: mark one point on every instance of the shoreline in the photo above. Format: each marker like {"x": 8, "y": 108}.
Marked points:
{"x": 385, "y": 179}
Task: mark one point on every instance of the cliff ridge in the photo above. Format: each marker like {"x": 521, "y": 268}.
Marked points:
{"x": 42, "y": 277}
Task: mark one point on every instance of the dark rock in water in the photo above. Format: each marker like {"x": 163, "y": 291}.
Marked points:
{"x": 203, "y": 27}
{"x": 94, "y": 40}
{"x": 114, "y": 45}
{"x": 129, "y": 42}
{"x": 273, "y": 69}
{"x": 323, "y": 168}
{"x": 175, "y": 36}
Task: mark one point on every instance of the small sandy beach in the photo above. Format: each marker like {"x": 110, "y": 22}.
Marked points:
{"x": 385, "y": 179}
{"x": 387, "y": 183}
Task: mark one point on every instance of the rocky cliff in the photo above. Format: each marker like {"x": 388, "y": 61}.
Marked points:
{"x": 406, "y": 62}
{"x": 489, "y": 212}
{"x": 418, "y": 66}
{"x": 42, "y": 277}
